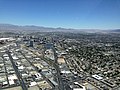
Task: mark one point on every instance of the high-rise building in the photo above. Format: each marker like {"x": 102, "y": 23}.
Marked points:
{"x": 31, "y": 44}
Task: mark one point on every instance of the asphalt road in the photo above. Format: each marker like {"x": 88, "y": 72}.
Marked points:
{"x": 38, "y": 70}
{"x": 23, "y": 85}
{"x": 56, "y": 66}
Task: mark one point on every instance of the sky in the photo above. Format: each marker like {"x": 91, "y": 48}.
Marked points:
{"x": 79, "y": 14}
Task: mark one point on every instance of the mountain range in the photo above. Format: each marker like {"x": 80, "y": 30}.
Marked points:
{"x": 33, "y": 28}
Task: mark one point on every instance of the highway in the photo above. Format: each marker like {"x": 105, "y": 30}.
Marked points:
{"x": 56, "y": 66}
{"x": 38, "y": 70}
{"x": 23, "y": 85}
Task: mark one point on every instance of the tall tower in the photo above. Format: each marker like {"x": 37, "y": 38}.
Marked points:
{"x": 31, "y": 44}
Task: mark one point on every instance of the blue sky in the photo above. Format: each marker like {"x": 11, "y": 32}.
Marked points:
{"x": 83, "y": 14}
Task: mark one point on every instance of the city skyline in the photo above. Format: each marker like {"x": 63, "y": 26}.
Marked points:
{"x": 78, "y": 14}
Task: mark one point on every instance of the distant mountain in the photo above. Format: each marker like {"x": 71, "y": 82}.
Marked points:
{"x": 116, "y": 30}
{"x": 33, "y": 28}
{"x": 10, "y": 27}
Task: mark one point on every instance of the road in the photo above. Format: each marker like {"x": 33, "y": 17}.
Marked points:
{"x": 38, "y": 70}
{"x": 56, "y": 66}
{"x": 23, "y": 85}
